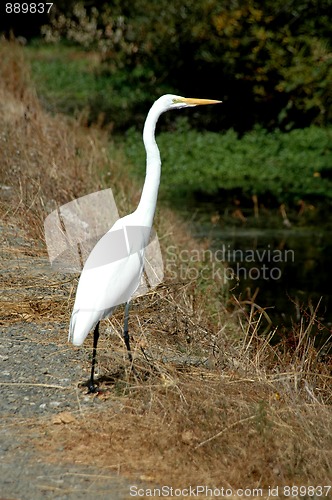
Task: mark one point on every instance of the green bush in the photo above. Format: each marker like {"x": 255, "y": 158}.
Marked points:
{"x": 64, "y": 82}
{"x": 286, "y": 167}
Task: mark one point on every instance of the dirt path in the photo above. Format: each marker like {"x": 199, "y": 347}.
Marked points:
{"x": 39, "y": 375}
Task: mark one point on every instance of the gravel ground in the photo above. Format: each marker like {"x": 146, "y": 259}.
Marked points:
{"x": 39, "y": 375}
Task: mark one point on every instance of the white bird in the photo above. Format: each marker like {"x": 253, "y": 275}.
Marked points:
{"x": 113, "y": 270}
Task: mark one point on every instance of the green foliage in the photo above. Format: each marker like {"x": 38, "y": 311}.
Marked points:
{"x": 64, "y": 80}
{"x": 270, "y": 61}
{"x": 282, "y": 166}
{"x": 67, "y": 81}
{"x": 286, "y": 167}
{"x": 70, "y": 80}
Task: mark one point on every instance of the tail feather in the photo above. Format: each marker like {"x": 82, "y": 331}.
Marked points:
{"x": 81, "y": 322}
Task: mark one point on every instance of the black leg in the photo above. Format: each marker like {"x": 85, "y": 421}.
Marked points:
{"x": 91, "y": 384}
{"x": 126, "y": 333}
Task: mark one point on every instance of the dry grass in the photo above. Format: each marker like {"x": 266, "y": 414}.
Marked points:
{"x": 212, "y": 402}
{"x": 260, "y": 420}
{"x": 46, "y": 160}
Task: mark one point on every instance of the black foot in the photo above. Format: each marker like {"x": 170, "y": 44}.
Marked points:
{"x": 127, "y": 342}
{"x": 92, "y": 389}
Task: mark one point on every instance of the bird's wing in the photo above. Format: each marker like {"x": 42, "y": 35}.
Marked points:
{"x": 110, "y": 277}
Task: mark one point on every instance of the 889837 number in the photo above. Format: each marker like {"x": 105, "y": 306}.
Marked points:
{"x": 28, "y": 8}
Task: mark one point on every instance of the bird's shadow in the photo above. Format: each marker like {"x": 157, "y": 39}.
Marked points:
{"x": 119, "y": 380}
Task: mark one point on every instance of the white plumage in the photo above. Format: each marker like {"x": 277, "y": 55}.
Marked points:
{"x": 113, "y": 270}
{"x": 103, "y": 287}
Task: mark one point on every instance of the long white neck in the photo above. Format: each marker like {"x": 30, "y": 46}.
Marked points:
{"x": 148, "y": 201}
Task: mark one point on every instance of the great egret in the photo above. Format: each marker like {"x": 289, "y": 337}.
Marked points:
{"x": 113, "y": 270}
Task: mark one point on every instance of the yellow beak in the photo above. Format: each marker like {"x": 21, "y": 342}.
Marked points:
{"x": 198, "y": 102}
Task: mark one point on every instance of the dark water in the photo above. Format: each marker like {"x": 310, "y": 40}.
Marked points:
{"x": 289, "y": 269}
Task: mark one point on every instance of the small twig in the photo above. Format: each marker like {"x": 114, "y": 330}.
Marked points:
{"x": 311, "y": 393}
{"x": 79, "y": 404}
{"x": 49, "y": 386}
{"x": 224, "y": 430}
{"x": 285, "y": 375}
